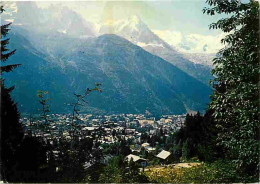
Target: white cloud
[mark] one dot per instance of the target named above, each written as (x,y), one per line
(201,43)
(191,43)
(171,37)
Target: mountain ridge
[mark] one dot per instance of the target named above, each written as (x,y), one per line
(148,40)
(133,79)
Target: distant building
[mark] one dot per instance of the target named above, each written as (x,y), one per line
(137,159)
(163,156)
(145,145)
(130,131)
(150,149)
(145,122)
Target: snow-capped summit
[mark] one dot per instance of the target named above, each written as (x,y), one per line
(134,30)
(55,18)
(133,22)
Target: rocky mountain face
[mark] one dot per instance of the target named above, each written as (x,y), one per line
(205,59)
(136,31)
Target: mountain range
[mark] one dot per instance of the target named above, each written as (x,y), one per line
(136,31)
(137,69)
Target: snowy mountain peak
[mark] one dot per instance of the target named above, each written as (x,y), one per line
(134,30)
(134,21)
(135,18)
(62,20)
(129,25)
(54,19)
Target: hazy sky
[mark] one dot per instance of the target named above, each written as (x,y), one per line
(176,15)
(181,23)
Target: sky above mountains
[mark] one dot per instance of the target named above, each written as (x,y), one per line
(179,23)
(176,15)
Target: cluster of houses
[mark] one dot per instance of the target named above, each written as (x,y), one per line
(162,155)
(105,127)
(60,124)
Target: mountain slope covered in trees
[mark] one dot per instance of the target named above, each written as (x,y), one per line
(132,78)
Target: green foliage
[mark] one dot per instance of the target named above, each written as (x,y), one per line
(133,174)
(72,155)
(80,101)
(5,53)
(121,147)
(32,165)
(217,172)
(11,133)
(235,101)
(120,171)
(154,161)
(185,150)
(112,172)
(11,129)
(206,152)
(198,138)
(44,101)
(94,172)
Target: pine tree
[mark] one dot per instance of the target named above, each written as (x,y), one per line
(235,101)
(11,133)
(5,53)
(185,150)
(11,128)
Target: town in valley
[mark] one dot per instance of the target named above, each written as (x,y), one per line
(139,131)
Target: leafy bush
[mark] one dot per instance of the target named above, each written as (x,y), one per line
(235,100)
(120,171)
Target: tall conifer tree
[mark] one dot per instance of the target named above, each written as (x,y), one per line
(11,128)
(5,53)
